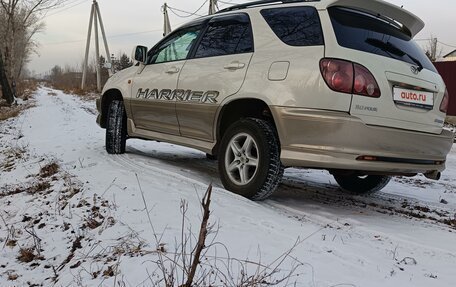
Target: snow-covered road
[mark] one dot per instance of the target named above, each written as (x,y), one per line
(403,236)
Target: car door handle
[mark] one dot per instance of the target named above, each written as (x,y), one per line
(234,66)
(172,70)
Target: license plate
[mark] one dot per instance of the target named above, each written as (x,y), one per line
(413,98)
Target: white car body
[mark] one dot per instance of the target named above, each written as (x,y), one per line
(398,133)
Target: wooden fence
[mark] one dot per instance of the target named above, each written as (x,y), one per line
(448,72)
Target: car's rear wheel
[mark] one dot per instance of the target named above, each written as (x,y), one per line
(116,128)
(249,159)
(358,184)
(211,156)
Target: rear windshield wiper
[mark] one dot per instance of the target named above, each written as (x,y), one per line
(390,48)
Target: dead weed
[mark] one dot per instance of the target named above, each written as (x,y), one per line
(27,255)
(49,170)
(7,112)
(12,155)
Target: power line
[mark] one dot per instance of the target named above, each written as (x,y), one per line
(109,37)
(67,8)
(190,14)
(452,46)
(444,44)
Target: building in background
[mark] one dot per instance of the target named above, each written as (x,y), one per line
(447,70)
(449,57)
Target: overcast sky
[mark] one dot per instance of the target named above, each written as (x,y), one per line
(131,22)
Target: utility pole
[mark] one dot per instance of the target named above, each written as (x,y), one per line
(95,19)
(434,49)
(213,7)
(167,23)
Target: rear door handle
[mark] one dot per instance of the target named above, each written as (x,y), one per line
(234,66)
(172,70)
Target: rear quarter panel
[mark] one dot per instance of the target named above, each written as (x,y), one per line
(303,85)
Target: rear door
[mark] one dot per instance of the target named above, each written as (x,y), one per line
(153,102)
(411,89)
(216,71)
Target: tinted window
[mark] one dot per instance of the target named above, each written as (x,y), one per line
(226,36)
(295,26)
(359,31)
(177,47)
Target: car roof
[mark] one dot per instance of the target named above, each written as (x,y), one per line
(388,11)
(262,3)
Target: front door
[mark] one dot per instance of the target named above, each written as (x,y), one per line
(153,100)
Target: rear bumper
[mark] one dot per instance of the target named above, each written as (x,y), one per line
(336,141)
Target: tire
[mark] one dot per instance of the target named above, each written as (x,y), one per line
(211,156)
(362,184)
(258,159)
(116,128)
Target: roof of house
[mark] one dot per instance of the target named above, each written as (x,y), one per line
(451,54)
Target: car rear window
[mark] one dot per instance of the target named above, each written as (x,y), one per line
(363,32)
(295,26)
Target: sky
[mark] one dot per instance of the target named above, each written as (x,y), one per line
(133,22)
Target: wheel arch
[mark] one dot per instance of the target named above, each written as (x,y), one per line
(240,108)
(108,96)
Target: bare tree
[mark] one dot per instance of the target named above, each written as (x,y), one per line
(20,20)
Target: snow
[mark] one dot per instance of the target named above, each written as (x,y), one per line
(397,237)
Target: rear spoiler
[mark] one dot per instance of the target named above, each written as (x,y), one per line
(378,7)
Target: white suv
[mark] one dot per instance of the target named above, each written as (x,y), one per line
(333,84)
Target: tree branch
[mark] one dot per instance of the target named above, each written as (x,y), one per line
(206,202)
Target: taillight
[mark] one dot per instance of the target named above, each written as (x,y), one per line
(338,74)
(365,83)
(445,102)
(348,77)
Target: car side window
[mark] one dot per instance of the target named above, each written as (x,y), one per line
(177,47)
(295,26)
(226,35)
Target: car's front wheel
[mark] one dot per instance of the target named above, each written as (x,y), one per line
(358,184)
(249,159)
(116,128)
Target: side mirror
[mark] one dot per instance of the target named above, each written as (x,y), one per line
(139,54)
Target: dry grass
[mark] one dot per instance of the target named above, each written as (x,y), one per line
(24,91)
(26,88)
(26,255)
(87,95)
(13,111)
(12,156)
(40,186)
(49,170)
(11,243)
(12,276)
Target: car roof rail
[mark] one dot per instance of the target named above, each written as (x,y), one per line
(261,2)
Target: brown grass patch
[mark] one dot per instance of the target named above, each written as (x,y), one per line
(26,88)
(12,155)
(84,95)
(49,170)
(109,272)
(39,187)
(31,188)
(12,276)
(26,255)
(11,243)
(7,112)
(10,112)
